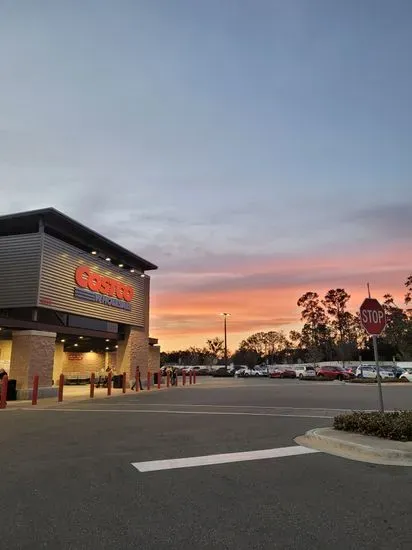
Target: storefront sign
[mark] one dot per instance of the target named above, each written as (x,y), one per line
(97,288)
(75,356)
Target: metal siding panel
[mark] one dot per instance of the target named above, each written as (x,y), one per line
(57,284)
(19,270)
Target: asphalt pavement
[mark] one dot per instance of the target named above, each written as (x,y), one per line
(68,479)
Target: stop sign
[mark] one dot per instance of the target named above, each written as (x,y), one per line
(372,316)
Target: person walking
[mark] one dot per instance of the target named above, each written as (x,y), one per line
(140,381)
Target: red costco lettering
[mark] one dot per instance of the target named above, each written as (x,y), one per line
(85,278)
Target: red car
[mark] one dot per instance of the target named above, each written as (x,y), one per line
(282,372)
(332,372)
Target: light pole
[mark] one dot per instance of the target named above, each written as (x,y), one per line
(225,316)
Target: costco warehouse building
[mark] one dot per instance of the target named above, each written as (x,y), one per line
(71,302)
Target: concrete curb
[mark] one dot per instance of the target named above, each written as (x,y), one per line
(363,448)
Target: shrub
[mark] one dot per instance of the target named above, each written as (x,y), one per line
(390,425)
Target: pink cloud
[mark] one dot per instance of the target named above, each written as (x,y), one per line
(261,294)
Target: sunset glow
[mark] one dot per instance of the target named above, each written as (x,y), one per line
(263,296)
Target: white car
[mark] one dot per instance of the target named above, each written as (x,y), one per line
(246,372)
(303,371)
(262,371)
(369,371)
(406,376)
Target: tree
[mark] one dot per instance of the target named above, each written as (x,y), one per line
(313,314)
(408,295)
(335,303)
(398,331)
(343,323)
(216,347)
(315,335)
(246,357)
(255,342)
(277,345)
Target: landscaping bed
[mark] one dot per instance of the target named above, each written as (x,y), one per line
(389,425)
(374,381)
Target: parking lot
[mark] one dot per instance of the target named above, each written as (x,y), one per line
(101,474)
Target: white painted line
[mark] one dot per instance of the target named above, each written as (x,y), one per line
(155,465)
(151,411)
(258,407)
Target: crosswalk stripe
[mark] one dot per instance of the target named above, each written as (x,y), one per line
(208,460)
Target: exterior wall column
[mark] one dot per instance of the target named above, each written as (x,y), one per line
(154,358)
(133,352)
(33,353)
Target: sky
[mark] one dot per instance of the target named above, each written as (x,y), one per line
(252,149)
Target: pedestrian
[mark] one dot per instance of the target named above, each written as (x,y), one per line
(174,376)
(3,373)
(140,381)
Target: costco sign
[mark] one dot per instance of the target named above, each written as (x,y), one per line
(93,287)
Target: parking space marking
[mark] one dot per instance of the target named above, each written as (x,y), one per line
(214,406)
(208,460)
(169,411)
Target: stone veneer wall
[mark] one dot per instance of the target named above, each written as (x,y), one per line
(5,354)
(32,353)
(154,358)
(133,352)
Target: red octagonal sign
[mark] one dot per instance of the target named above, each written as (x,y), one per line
(372,316)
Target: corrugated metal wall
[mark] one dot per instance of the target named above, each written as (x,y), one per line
(19,270)
(57,285)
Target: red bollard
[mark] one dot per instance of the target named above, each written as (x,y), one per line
(92,383)
(35,391)
(177,380)
(168,379)
(61,385)
(190,377)
(124,383)
(159,380)
(109,384)
(194,377)
(184,377)
(148,380)
(137,387)
(3,391)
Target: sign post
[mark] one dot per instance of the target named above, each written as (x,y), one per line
(373,320)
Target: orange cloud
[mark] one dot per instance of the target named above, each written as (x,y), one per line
(261,293)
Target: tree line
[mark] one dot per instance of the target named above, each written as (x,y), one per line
(330,332)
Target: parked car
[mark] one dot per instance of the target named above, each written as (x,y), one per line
(222,372)
(262,370)
(351,371)
(365,371)
(333,372)
(282,372)
(397,371)
(369,371)
(247,372)
(303,371)
(201,370)
(406,375)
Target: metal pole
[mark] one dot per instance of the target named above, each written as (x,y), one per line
(225,341)
(375,351)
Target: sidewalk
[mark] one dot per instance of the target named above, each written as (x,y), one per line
(72,394)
